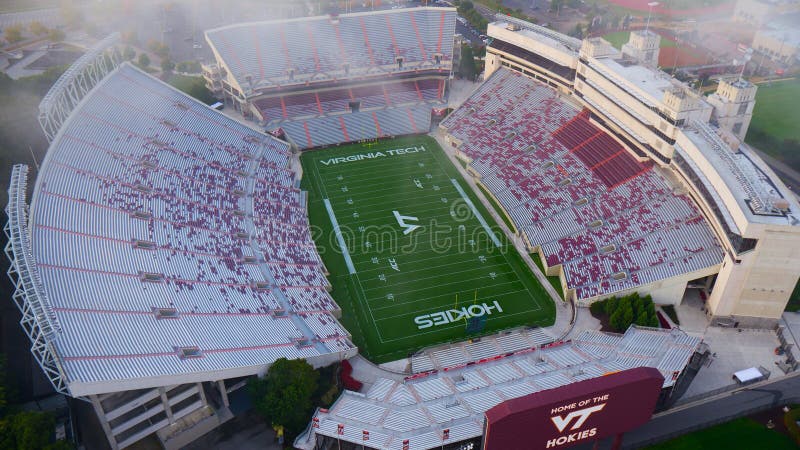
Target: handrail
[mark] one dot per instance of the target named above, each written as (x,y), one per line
(38,320)
(70,88)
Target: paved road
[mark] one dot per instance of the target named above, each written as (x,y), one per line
(469,33)
(716,409)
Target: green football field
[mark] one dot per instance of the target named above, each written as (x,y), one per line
(414,257)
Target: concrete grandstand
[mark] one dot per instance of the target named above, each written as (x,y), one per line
(624,179)
(336,79)
(166,250)
(446,405)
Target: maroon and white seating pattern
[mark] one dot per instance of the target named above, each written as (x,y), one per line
(149,200)
(327,130)
(294,106)
(265,53)
(575,193)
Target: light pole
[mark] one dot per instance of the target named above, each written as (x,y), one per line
(649,14)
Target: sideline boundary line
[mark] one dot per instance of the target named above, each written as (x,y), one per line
(339,237)
(476,213)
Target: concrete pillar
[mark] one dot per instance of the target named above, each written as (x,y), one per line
(202,394)
(223,392)
(165,402)
(101,416)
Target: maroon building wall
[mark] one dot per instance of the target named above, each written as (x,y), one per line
(576,413)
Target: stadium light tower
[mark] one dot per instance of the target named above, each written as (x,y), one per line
(649,14)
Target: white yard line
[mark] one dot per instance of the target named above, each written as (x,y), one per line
(476,213)
(403,304)
(433,269)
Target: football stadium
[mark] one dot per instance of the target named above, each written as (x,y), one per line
(342,205)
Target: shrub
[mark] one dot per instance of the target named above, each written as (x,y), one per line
(167,65)
(628,310)
(598,307)
(611,305)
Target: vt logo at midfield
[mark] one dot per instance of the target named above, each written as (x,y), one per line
(581,415)
(401,220)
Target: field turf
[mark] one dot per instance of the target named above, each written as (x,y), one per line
(396,282)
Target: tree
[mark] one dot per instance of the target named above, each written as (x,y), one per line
(467,66)
(129,53)
(615,320)
(577,32)
(555,5)
(637,303)
(37,28)
(652,318)
(162,50)
(614,21)
(627,316)
(642,318)
(153,45)
(283,396)
(144,60)
(56,35)
(4,383)
(611,305)
(13,34)
(91,28)
(167,65)
(158,48)
(598,307)
(32,429)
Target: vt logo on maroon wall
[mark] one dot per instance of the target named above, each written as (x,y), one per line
(575,417)
(581,415)
(574,414)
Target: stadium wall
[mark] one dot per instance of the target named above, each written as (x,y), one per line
(668,291)
(753,285)
(231,93)
(616,100)
(496,59)
(560,56)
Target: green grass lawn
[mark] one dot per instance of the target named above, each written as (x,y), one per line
(775,120)
(554,281)
(193,86)
(499,209)
(776,112)
(402,292)
(621,37)
(744,434)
